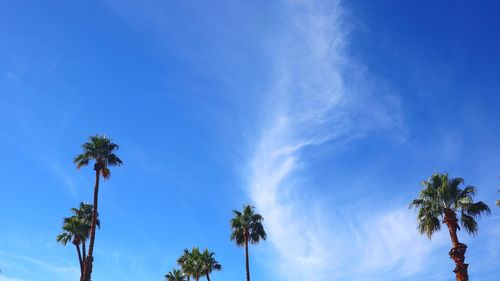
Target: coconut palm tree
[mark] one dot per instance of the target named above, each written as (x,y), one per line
(247,227)
(100,150)
(74,231)
(209,263)
(175,275)
(442,198)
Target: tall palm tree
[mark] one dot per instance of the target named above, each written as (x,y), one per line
(442,198)
(74,231)
(247,227)
(175,275)
(100,150)
(209,263)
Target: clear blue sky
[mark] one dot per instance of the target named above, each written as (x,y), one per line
(324,115)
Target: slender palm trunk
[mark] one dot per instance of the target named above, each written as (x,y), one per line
(87,269)
(246,258)
(79,258)
(457,253)
(208,276)
(84,251)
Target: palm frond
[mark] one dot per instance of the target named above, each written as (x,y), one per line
(208,262)
(428,225)
(105,173)
(63,238)
(476,209)
(469,223)
(416,203)
(81,160)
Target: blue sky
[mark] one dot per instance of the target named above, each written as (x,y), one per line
(325,115)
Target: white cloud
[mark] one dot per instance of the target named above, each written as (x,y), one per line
(319,98)
(5,278)
(36,266)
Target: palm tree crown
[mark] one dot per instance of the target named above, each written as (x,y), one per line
(84,214)
(443,197)
(175,275)
(191,263)
(209,263)
(101,150)
(186,263)
(247,225)
(77,227)
(74,231)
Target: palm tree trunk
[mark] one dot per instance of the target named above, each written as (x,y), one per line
(87,269)
(79,258)
(450,219)
(208,276)
(246,258)
(84,251)
(457,253)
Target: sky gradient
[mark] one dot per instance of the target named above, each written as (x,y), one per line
(325,115)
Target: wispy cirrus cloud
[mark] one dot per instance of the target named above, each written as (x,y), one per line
(320,98)
(6,278)
(37,269)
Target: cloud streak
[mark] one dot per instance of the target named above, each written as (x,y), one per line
(41,267)
(319,99)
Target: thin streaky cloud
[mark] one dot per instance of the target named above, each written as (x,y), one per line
(313,104)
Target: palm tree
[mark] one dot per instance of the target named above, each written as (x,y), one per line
(77,230)
(191,263)
(74,231)
(196,264)
(209,263)
(443,198)
(247,227)
(84,214)
(175,275)
(186,263)
(100,150)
